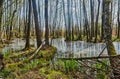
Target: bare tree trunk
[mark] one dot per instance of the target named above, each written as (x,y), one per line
(37,28)
(118,19)
(69,20)
(11,23)
(115,62)
(86,22)
(55,19)
(66,35)
(72,24)
(92,18)
(1,4)
(103,9)
(46,24)
(80,29)
(1,56)
(28,26)
(96,24)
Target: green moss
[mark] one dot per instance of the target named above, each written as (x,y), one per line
(117,40)
(52,74)
(48,53)
(109,1)
(111,49)
(36,63)
(4,73)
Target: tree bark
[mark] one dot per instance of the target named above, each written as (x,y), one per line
(46,24)
(64,14)
(115,62)
(118,19)
(1,8)
(96,24)
(92,18)
(37,28)
(87,29)
(80,29)
(28,26)
(102,30)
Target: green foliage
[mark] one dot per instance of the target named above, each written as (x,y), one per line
(61,65)
(71,65)
(102,74)
(66,65)
(4,73)
(6,54)
(52,74)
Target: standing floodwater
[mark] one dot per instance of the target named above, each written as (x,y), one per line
(79,49)
(65,49)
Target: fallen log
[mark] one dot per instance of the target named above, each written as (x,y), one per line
(89,58)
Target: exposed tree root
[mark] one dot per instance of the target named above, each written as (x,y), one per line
(27,59)
(22,53)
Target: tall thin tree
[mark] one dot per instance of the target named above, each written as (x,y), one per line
(1,12)
(37,28)
(96,24)
(92,17)
(28,26)
(46,24)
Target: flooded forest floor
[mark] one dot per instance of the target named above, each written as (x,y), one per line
(25,64)
(31,64)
